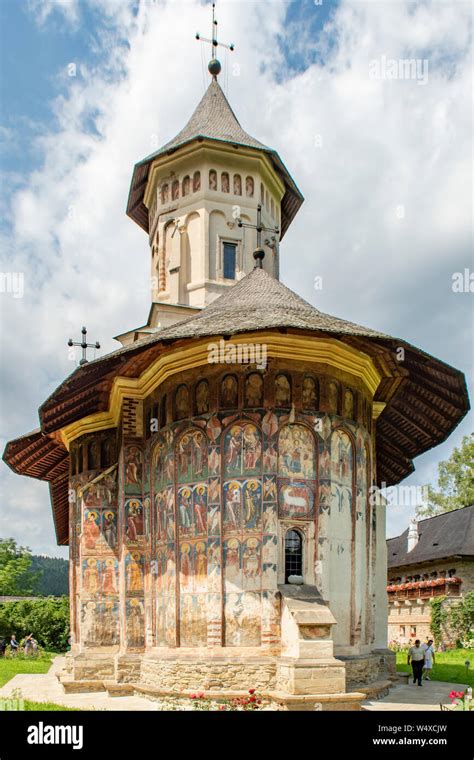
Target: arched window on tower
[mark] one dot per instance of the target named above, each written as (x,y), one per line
(186,185)
(212,179)
(237,184)
(196,182)
(175,190)
(225,182)
(249,187)
(293,554)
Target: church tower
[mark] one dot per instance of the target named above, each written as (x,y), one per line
(206,200)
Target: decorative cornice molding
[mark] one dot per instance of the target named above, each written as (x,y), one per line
(326,351)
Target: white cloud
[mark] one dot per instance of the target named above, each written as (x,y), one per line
(385,144)
(42,10)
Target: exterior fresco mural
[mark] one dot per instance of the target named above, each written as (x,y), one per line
(296,453)
(282,391)
(309,394)
(229,392)
(95,579)
(202,397)
(242,450)
(254,390)
(134,520)
(135,623)
(192,456)
(211,517)
(297,472)
(162,462)
(99,623)
(192,527)
(134,572)
(192,510)
(243,616)
(340,533)
(133,470)
(296,500)
(242,524)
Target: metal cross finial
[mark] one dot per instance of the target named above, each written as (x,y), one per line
(214,65)
(260,228)
(84,345)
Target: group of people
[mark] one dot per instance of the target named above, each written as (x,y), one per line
(422,658)
(30,645)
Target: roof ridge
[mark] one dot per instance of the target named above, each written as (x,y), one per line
(433,517)
(447,512)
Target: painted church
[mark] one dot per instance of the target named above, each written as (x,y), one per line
(216,478)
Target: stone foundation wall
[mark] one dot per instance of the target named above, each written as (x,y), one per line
(128,669)
(88,667)
(366,669)
(198,675)
(233,674)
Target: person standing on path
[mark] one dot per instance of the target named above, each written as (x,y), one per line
(429,658)
(416,655)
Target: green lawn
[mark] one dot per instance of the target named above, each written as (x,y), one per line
(48,707)
(11,666)
(449,666)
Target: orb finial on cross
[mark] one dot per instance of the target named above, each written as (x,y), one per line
(214,66)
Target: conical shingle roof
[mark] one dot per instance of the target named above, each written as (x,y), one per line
(257,302)
(213,119)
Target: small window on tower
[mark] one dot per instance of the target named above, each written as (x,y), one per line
(230,257)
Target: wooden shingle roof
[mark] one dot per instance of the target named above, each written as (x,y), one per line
(214,120)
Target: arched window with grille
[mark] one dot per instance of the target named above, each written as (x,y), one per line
(293,554)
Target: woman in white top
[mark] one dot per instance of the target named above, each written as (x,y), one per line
(429,659)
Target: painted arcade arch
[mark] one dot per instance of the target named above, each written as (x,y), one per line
(341,530)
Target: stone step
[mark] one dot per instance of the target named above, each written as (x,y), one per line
(119,689)
(376,690)
(78,687)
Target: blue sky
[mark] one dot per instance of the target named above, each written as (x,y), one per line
(35,56)
(360,150)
